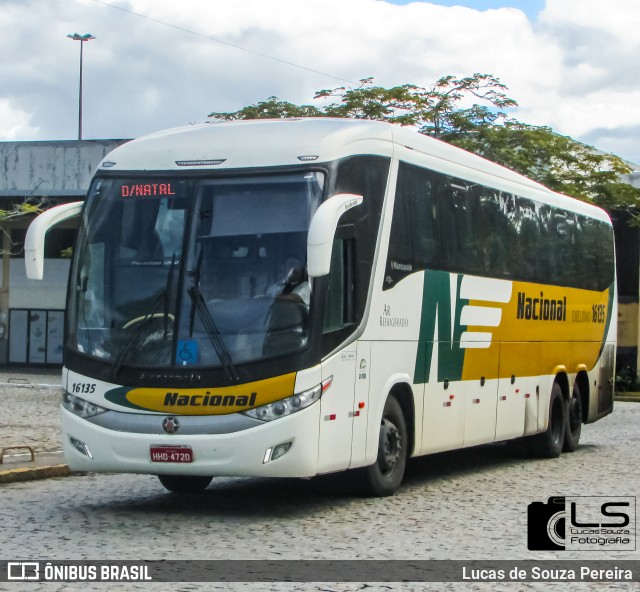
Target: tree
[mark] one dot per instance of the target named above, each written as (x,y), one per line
(17,212)
(434,110)
(20,210)
(272,108)
(442,111)
(556,161)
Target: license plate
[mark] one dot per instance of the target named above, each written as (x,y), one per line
(171,454)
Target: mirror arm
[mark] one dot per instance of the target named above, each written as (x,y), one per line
(34,241)
(322,231)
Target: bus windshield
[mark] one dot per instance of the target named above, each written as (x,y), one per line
(193,271)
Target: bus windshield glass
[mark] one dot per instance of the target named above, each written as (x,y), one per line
(193,272)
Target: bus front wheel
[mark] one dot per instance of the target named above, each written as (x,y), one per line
(184,483)
(549,444)
(385,476)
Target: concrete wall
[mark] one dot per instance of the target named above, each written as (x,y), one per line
(61,168)
(31,331)
(49,293)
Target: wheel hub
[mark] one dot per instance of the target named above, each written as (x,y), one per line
(390,446)
(575,413)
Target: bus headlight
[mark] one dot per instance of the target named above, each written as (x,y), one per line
(80,407)
(290,405)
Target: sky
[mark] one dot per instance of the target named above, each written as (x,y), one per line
(572,65)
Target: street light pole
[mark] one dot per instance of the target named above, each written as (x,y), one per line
(82,39)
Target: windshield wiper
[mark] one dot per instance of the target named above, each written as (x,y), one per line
(213,333)
(167,295)
(163,296)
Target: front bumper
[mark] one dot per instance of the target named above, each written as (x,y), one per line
(238,453)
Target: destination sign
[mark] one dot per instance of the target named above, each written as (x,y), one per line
(146,189)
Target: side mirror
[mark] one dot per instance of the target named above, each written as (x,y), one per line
(34,241)
(323,229)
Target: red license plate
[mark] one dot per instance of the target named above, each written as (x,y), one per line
(171,454)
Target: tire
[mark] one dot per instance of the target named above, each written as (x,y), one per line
(184,483)
(573,421)
(549,444)
(384,477)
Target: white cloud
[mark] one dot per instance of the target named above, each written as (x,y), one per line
(618,18)
(14,122)
(573,69)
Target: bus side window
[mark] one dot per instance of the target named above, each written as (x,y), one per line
(414,239)
(340,296)
(339,303)
(492,236)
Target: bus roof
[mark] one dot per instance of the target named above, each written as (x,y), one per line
(281,142)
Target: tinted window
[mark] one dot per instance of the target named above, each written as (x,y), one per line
(440,222)
(366,176)
(415,233)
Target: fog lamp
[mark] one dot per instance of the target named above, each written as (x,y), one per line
(81,447)
(275,452)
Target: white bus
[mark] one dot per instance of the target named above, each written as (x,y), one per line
(298,297)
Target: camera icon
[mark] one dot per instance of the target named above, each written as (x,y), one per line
(546,525)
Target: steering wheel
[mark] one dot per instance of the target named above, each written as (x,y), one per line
(157,315)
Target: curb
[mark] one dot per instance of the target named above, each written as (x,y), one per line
(32,473)
(630,397)
(29,385)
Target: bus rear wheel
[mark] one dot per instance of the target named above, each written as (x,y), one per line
(184,483)
(573,423)
(385,476)
(549,444)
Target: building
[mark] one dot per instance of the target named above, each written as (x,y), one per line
(32,312)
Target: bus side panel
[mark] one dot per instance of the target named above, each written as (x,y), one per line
(361,404)
(444,412)
(511,403)
(601,397)
(393,329)
(482,412)
(336,414)
(392,363)
(601,401)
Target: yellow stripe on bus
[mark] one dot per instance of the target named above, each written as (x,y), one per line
(213,401)
(540,326)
